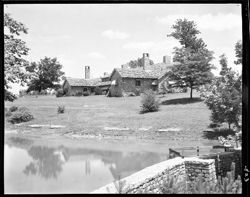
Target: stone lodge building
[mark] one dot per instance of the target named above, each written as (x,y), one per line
(75,85)
(139,79)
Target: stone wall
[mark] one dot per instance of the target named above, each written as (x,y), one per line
(151,178)
(225,160)
(128,85)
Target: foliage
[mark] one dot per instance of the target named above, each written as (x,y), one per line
(115,91)
(60,109)
(20,116)
(193,58)
(86,93)
(13,108)
(59,93)
(223,63)
(224,98)
(79,93)
(9,96)
(21,109)
(14,51)
(231,141)
(98,91)
(238,52)
(131,94)
(46,73)
(7,113)
(149,102)
(172,185)
(138,63)
(225,185)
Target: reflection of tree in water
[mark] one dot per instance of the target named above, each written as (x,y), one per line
(47,161)
(130,163)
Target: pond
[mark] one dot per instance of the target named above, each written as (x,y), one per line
(30,168)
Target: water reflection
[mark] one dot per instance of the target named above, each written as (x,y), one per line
(61,169)
(47,161)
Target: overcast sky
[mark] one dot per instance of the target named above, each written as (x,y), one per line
(105,36)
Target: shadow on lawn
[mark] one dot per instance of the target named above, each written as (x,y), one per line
(182,101)
(213,135)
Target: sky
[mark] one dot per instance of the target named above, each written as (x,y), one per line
(105,36)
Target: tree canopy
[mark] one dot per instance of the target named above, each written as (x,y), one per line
(224,98)
(238,52)
(223,63)
(138,63)
(15,50)
(45,73)
(193,58)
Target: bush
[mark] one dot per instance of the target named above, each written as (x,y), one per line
(149,102)
(86,93)
(131,94)
(98,91)
(60,109)
(223,185)
(20,116)
(79,93)
(7,113)
(21,109)
(13,108)
(115,91)
(59,93)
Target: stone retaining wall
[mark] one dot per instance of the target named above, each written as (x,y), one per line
(151,178)
(225,161)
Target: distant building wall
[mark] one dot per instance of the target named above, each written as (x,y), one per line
(129,84)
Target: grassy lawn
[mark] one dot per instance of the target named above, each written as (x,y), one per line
(91,114)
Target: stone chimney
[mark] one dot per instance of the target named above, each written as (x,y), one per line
(167,59)
(145,61)
(87,72)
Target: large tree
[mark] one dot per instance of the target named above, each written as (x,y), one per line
(193,58)
(223,63)
(238,52)
(224,98)
(15,50)
(46,73)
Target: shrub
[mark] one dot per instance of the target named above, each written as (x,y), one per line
(115,91)
(86,93)
(59,93)
(20,116)
(98,91)
(13,108)
(223,185)
(224,98)
(21,109)
(8,113)
(137,92)
(60,109)
(131,94)
(149,102)
(79,93)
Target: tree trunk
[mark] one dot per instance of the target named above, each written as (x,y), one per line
(191,92)
(229,126)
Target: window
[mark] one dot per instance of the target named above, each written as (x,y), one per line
(137,83)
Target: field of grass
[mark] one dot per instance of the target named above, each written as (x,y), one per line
(90,115)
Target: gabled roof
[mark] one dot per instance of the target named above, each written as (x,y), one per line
(87,82)
(82,82)
(154,72)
